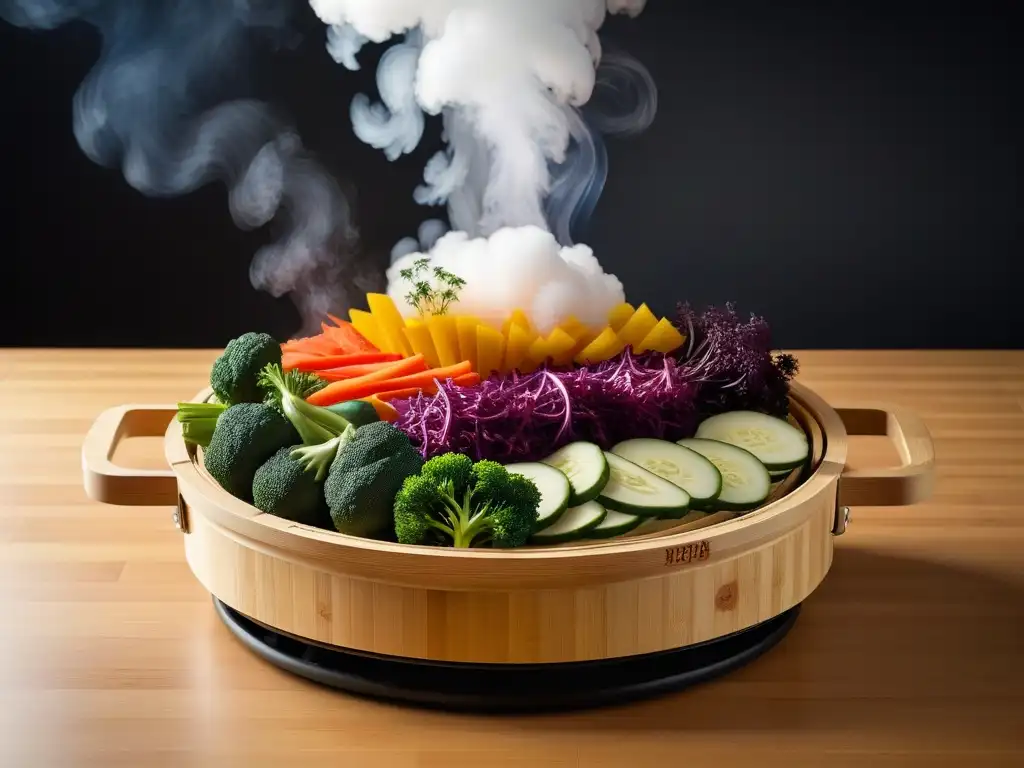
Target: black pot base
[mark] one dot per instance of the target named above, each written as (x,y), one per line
(507,688)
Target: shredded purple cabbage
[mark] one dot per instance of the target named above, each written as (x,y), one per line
(525,417)
(725,365)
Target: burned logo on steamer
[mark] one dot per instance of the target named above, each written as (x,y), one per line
(689,553)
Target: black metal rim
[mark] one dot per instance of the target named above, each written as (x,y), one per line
(507,688)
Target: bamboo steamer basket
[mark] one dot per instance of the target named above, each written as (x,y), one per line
(685,583)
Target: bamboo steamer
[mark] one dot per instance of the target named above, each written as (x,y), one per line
(659,589)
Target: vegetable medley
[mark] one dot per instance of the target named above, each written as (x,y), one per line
(443,430)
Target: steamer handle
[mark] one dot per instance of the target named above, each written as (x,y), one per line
(123,486)
(906,484)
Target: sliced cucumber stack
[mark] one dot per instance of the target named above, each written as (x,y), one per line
(746,483)
(614,524)
(585,466)
(634,490)
(553,486)
(574,523)
(776,443)
(679,465)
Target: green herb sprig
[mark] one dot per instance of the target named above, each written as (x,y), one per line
(427,299)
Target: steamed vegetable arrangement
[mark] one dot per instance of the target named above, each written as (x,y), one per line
(440,430)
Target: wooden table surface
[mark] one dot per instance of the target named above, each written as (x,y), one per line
(909,654)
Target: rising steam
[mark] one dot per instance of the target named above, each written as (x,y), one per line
(523,88)
(510,79)
(154,105)
(524,93)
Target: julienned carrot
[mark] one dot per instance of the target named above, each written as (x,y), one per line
(355,371)
(347,337)
(311,345)
(424,379)
(403,394)
(364,386)
(340,391)
(466,380)
(322,362)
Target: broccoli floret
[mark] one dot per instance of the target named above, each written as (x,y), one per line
(247,434)
(288,392)
(199,420)
(283,487)
(454,470)
(366,473)
(485,504)
(235,374)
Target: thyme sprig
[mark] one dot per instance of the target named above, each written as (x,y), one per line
(426,298)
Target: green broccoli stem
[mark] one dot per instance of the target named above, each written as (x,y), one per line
(465,524)
(314,424)
(199,420)
(318,458)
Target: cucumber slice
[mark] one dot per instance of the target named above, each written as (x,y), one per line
(681,466)
(615,524)
(553,486)
(776,443)
(585,466)
(746,483)
(632,489)
(574,524)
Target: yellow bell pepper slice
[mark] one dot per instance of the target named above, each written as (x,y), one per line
(518,317)
(637,327)
(620,315)
(605,346)
(490,350)
(573,327)
(418,336)
(390,322)
(367,327)
(445,335)
(517,346)
(557,346)
(466,330)
(663,338)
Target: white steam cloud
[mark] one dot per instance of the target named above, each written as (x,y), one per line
(510,80)
(157,105)
(518,268)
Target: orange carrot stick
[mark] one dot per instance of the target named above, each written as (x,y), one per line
(355,371)
(322,362)
(417,382)
(364,386)
(427,378)
(467,380)
(340,391)
(402,394)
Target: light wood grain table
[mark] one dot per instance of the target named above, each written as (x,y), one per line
(909,654)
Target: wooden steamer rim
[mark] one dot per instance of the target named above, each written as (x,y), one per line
(487,569)
(187,485)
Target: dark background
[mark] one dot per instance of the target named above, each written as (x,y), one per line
(849,170)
